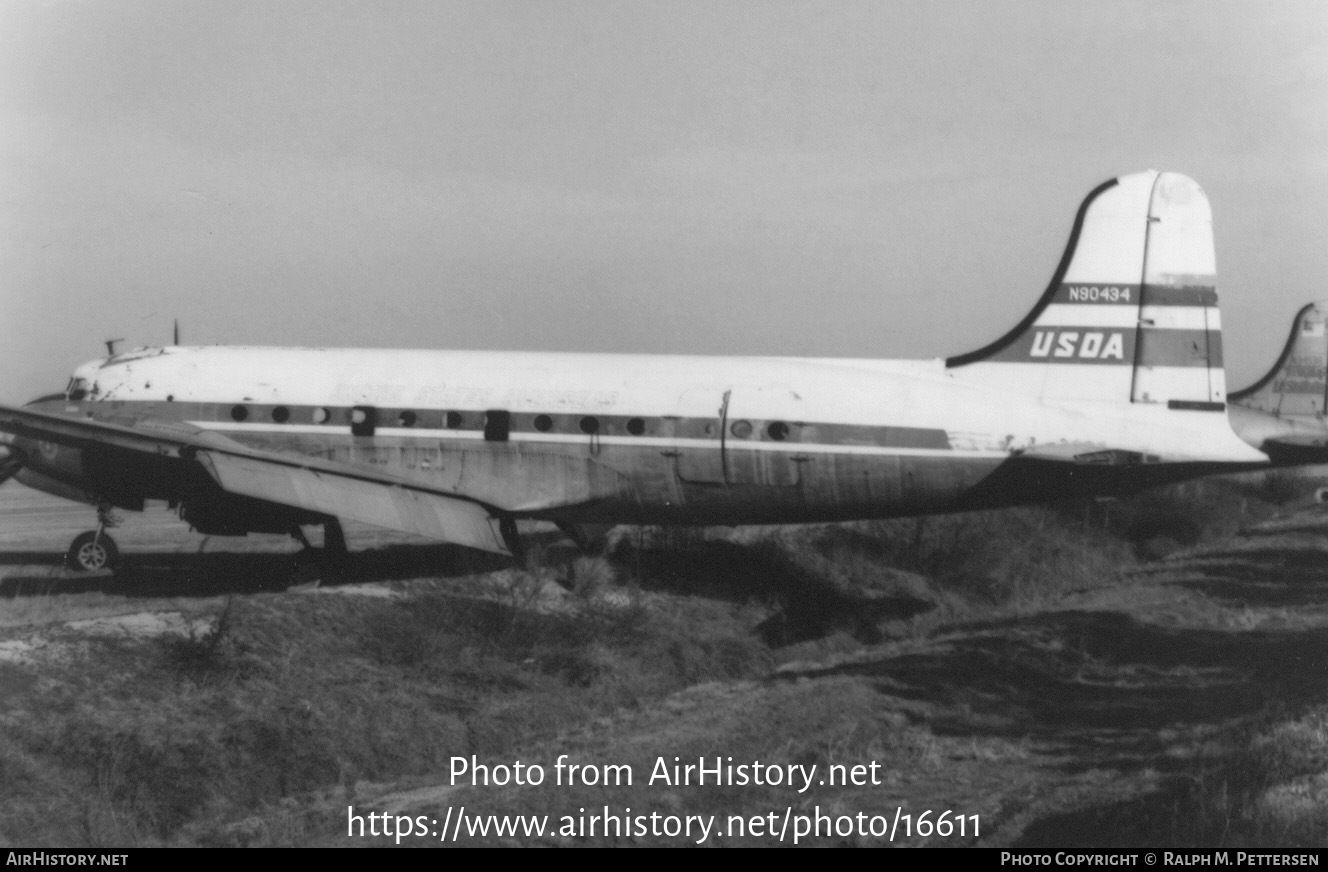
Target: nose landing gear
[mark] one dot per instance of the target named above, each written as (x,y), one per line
(92,551)
(95,549)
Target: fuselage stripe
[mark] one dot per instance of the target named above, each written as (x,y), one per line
(562,439)
(473,424)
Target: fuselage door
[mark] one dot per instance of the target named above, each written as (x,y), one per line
(699,431)
(761,443)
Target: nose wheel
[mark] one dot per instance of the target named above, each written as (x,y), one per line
(92,551)
(95,549)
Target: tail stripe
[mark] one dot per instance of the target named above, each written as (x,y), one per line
(1080,294)
(1085,344)
(1177,317)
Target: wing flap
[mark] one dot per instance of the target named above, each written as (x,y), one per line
(382,505)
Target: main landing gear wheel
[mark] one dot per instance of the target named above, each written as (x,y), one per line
(334,540)
(92,551)
(313,565)
(512,539)
(335,557)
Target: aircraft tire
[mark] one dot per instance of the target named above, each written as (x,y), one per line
(334,539)
(90,552)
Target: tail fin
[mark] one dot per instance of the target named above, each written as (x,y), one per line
(1297,385)
(1131,312)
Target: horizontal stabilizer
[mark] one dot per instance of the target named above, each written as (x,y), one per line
(1083,452)
(1291,451)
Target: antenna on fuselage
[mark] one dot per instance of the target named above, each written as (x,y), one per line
(175,335)
(110,346)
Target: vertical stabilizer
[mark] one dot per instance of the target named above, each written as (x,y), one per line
(1297,385)
(1130,315)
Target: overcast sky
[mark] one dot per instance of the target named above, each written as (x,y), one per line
(876,179)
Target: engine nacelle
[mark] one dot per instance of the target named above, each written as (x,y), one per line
(60,462)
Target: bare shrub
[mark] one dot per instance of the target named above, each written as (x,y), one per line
(588,576)
(1020,556)
(1281,486)
(200,653)
(1271,790)
(1157,522)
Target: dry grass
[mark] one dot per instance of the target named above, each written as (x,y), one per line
(938,646)
(53,608)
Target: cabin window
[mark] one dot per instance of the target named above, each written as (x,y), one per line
(239,413)
(280,414)
(543,423)
(321,415)
(406,418)
(497,425)
(453,420)
(589,424)
(636,426)
(741,429)
(777,431)
(362,420)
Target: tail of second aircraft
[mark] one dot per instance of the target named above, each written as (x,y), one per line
(1297,385)
(1131,313)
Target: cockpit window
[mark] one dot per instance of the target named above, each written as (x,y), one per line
(77,390)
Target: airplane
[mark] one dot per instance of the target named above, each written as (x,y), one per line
(1111,383)
(1290,424)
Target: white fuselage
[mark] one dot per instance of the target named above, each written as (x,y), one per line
(624,438)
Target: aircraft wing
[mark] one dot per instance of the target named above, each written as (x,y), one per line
(329,487)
